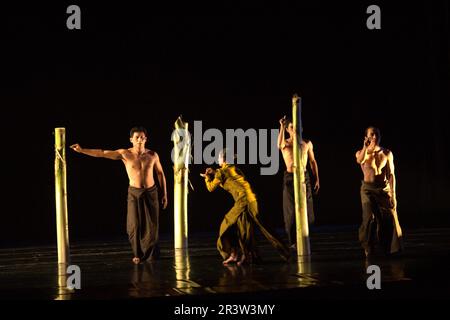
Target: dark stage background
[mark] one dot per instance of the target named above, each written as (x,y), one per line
(231,67)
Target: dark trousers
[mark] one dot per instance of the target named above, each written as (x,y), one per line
(289,205)
(143,221)
(379,219)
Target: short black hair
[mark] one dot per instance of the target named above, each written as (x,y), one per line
(377,132)
(288,121)
(138,129)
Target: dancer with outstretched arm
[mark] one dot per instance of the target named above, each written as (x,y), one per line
(143,200)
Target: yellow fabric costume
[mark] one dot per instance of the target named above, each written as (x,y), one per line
(237,226)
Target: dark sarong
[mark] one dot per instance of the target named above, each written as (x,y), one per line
(289,204)
(379,219)
(143,221)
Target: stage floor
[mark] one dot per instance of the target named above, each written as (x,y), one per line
(337,270)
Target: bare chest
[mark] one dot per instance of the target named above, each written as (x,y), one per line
(289,147)
(142,162)
(376,161)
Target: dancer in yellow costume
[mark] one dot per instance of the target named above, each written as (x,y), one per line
(236,235)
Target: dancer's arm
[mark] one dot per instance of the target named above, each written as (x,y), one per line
(361,155)
(99,153)
(161,180)
(281,137)
(314,167)
(212,179)
(391,178)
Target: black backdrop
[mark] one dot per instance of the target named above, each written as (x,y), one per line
(231,67)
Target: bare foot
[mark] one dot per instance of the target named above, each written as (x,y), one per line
(231,258)
(136,260)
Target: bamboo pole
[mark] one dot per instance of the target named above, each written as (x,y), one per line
(301,217)
(62,223)
(182,152)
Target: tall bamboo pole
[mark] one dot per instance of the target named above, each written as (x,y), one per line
(181,155)
(62,223)
(301,217)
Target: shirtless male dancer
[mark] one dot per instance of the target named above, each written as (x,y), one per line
(286,147)
(378,196)
(143,202)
